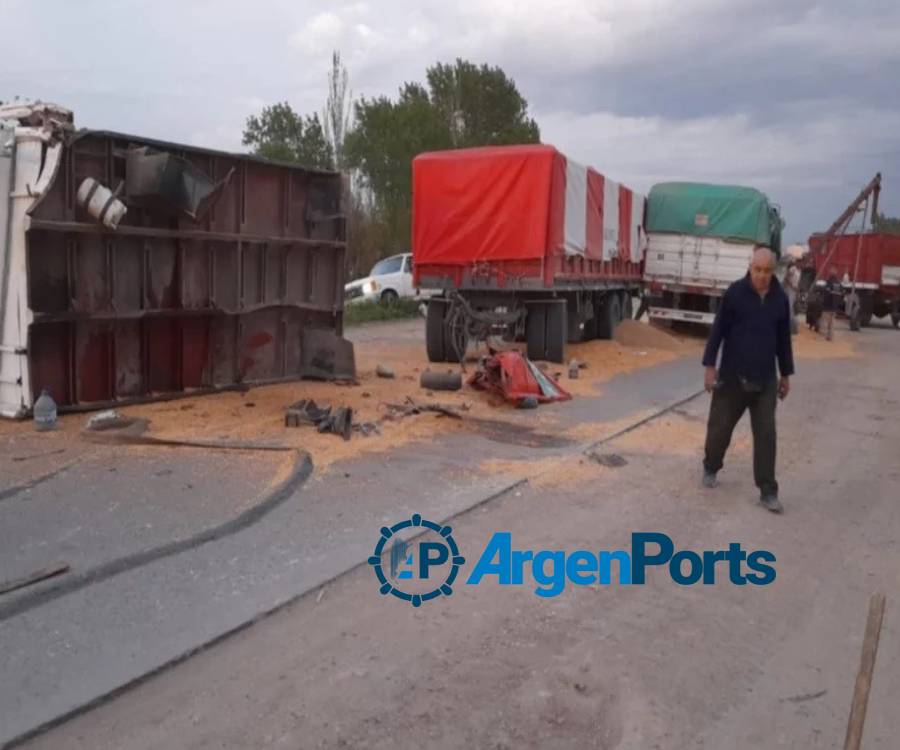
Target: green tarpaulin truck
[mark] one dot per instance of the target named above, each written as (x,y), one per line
(700,238)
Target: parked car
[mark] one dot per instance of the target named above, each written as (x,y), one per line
(389,280)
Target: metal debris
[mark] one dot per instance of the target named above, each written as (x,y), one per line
(306,411)
(108,420)
(327,356)
(440,381)
(611,460)
(398,411)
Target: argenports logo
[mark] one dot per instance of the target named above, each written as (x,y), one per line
(426,569)
(420,582)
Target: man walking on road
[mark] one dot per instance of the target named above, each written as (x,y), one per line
(831,300)
(753,328)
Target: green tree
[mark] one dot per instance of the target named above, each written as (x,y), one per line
(382,145)
(464,105)
(280,133)
(338,109)
(481,106)
(886,224)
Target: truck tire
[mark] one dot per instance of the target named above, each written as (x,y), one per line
(608,315)
(575,332)
(590,327)
(535,334)
(866,308)
(895,319)
(556,332)
(434,331)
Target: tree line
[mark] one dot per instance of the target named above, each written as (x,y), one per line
(460,105)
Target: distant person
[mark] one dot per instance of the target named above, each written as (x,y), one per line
(792,289)
(753,328)
(644,306)
(831,301)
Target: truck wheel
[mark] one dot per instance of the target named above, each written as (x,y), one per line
(575,332)
(389,297)
(866,308)
(627,306)
(556,332)
(590,327)
(608,315)
(434,331)
(535,323)
(895,319)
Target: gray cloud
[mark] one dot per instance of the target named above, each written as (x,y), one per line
(799,98)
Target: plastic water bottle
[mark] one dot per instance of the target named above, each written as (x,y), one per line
(45,412)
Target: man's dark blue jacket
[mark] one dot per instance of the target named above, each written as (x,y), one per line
(755,332)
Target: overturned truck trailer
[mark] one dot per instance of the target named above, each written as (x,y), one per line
(132,269)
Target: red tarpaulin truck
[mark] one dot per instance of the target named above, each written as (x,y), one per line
(868,263)
(526,244)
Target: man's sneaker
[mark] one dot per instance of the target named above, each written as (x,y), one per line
(771,502)
(709,479)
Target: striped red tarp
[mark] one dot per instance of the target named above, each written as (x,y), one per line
(520,203)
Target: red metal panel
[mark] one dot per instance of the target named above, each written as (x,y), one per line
(263,204)
(195,352)
(165,304)
(129,362)
(162,344)
(93,358)
(48,350)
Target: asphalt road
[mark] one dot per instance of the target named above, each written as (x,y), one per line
(654,666)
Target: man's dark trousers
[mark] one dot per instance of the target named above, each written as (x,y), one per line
(729,401)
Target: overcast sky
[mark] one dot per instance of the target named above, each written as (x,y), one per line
(800,99)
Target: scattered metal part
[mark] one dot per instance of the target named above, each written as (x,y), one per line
(161,180)
(411,408)
(108,420)
(38,455)
(611,460)
(305,411)
(383,371)
(441,381)
(327,356)
(100,202)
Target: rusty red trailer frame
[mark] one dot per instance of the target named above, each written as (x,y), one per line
(163,305)
(870,262)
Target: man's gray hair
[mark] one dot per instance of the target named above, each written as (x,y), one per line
(763,254)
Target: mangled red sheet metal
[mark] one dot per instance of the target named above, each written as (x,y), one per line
(516,378)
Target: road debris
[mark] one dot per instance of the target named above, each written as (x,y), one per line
(528,402)
(306,411)
(399,411)
(573,369)
(611,460)
(108,420)
(327,356)
(440,381)
(383,371)
(38,455)
(515,377)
